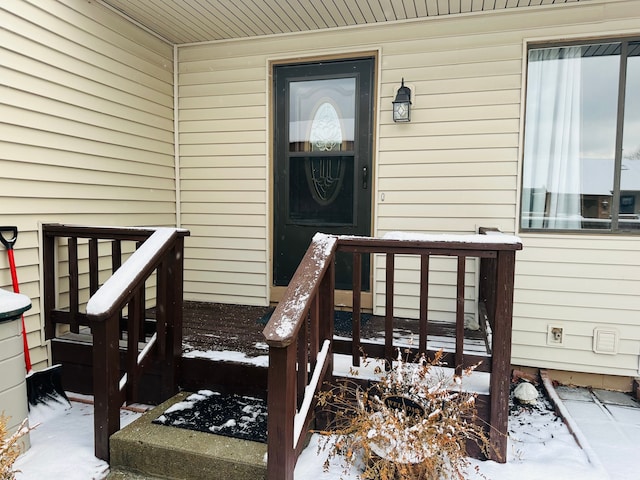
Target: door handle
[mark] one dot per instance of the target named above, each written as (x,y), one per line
(365,177)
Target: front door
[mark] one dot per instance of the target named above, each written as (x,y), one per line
(322,160)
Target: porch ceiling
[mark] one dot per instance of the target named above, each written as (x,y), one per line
(188,21)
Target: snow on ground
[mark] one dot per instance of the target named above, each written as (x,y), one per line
(62,444)
(540,448)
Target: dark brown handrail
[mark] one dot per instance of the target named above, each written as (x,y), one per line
(301,329)
(159,251)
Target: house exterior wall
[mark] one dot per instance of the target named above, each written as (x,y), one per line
(454,168)
(86,132)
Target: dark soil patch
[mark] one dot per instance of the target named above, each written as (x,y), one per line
(221,414)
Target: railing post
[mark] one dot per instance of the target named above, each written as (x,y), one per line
(501,361)
(173,275)
(49,269)
(106,392)
(281,385)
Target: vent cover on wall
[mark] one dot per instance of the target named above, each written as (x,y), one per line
(605,340)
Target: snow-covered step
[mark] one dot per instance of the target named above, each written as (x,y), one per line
(155,451)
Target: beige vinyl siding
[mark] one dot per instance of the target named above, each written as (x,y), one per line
(454,168)
(86,129)
(224,177)
(579,283)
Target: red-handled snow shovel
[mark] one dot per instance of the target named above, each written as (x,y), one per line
(44,385)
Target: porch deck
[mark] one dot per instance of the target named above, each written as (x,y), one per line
(238,328)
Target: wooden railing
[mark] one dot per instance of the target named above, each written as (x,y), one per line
(116,310)
(300,332)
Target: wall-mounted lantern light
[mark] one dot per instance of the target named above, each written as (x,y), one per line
(402,104)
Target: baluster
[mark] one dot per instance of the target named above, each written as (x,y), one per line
(72,248)
(314,339)
(459,358)
(355,317)
(303,372)
(388,321)
(136,317)
(93,266)
(424,303)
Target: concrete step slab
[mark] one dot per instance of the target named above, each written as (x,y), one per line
(165,452)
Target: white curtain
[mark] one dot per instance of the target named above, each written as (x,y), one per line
(551,171)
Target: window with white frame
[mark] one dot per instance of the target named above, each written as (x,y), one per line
(581,166)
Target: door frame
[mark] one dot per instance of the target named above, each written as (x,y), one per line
(342,298)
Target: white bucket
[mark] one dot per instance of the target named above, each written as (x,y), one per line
(13,387)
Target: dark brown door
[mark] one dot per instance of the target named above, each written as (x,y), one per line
(323,144)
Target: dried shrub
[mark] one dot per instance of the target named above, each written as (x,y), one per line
(9,447)
(413,424)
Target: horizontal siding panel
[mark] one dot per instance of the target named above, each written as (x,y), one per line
(68,52)
(50,173)
(250,77)
(460,67)
(412,172)
(228,220)
(254,297)
(223,101)
(224,113)
(226,243)
(438,127)
(88,132)
(224,185)
(26,81)
(79,191)
(587,284)
(434,211)
(226,231)
(151,165)
(223,125)
(495,140)
(451,197)
(579,299)
(550,256)
(213,138)
(208,285)
(204,196)
(234,161)
(225,173)
(59,111)
(448,183)
(578,270)
(223,149)
(529,313)
(250,275)
(224,208)
(439,225)
(625,244)
(62,206)
(455,155)
(39,138)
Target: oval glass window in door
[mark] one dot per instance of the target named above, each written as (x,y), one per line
(325,174)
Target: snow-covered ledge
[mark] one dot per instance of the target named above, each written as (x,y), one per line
(13,305)
(105,299)
(493,237)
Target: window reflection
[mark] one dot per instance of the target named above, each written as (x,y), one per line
(569,169)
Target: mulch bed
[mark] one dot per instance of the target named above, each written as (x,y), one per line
(230,415)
